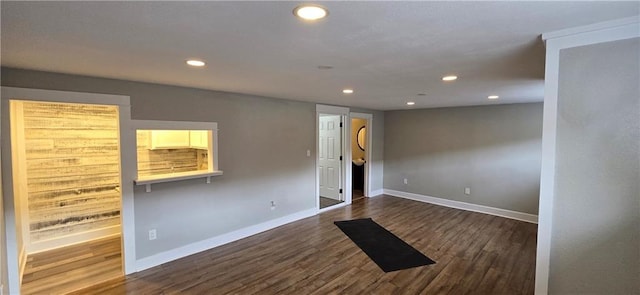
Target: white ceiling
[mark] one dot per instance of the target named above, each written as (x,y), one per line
(388,52)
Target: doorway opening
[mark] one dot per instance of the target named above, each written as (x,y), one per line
(358,157)
(330,134)
(361,151)
(67,194)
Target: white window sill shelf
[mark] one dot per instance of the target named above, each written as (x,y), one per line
(151,179)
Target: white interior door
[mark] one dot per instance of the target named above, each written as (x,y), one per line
(330,152)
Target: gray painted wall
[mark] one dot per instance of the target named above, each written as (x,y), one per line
(494,150)
(262,151)
(595,238)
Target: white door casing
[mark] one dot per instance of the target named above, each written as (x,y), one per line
(330,147)
(128,166)
(366,190)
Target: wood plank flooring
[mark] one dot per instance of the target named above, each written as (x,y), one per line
(356,195)
(72,268)
(475,254)
(328,202)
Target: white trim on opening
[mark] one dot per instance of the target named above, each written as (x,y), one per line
(368,148)
(127,151)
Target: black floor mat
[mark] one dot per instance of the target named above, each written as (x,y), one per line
(389,252)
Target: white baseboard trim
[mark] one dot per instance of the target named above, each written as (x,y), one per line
(164,257)
(343,204)
(73,239)
(465,206)
(376,193)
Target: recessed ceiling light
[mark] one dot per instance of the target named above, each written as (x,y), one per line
(493,97)
(347,91)
(410,103)
(449,78)
(310,12)
(195,63)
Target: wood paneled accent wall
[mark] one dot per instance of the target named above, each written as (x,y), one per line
(166,161)
(72,169)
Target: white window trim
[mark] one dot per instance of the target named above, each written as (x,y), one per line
(179,125)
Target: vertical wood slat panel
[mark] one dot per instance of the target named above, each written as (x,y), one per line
(73,169)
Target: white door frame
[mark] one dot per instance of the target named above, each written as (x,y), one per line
(367,165)
(345,182)
(127,167)
(3,253)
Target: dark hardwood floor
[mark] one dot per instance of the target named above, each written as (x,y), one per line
(72,268)
(474,253)
(328,202)
(357,194)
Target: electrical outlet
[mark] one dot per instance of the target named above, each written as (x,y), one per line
(152,235)
(405,181)
(308,153)
(467,190)
(273,205)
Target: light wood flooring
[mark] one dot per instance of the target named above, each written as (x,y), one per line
(72,268)
(475,254)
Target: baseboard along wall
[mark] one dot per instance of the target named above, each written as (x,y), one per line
(164,257)
(464,206)
(376,193)
(73,239)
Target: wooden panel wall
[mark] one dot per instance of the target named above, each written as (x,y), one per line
(72,168)
(154,162)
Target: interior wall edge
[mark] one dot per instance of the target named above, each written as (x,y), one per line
(555,43)
(22,261)
(3,252)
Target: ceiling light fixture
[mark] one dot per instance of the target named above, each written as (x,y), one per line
(449,78)
(410,103)
(195,63)
(310,12)
(493,97)
(347,91)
